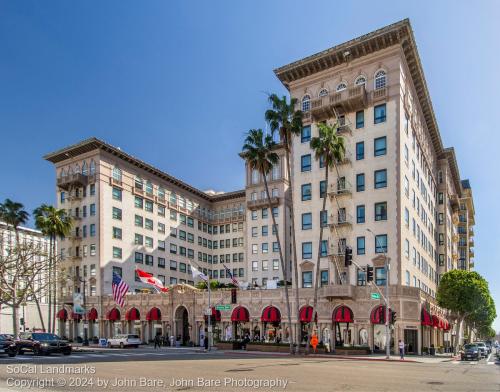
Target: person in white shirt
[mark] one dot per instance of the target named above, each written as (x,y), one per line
(401,349)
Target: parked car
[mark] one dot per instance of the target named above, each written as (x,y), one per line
(471,351)
(124,341)
(7,345)
(41,343)
(482,348)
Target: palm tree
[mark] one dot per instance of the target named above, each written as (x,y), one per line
(53,223)
(331,149)
(283,118)
(258,151)
(12,213)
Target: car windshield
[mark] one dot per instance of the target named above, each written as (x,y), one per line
(470,346)
(45,336)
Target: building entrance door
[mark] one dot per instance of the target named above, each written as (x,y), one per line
(410,340)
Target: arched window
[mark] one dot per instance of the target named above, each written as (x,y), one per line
(63,173)
(139,183)
(92,168)
(255,176)
(360,80)
(85,169)
(77,169)
(323,92)
(149,187)
(306,103)
(70,171)
(117,174)
(341,86)
(380,79)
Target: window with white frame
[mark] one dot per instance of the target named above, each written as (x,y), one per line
(117,174)
(306,103)
(380,79)
(341,86)
(360,80)
(323,92)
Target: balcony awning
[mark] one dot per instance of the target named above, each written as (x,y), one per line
(92,314)
(62,314)
(132,314)
(271,315)
(306,313)
(154,314)
(216,315)
(425,318)
(343,314)
(240,315)
(113,315)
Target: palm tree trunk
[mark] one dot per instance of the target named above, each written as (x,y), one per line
(316,279)
(282,261)
(53,285)
(294,245)
(49,286)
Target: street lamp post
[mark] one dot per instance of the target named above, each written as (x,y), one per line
(387,314)
(85,328)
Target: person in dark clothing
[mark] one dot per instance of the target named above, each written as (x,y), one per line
(206,339)
(157,341)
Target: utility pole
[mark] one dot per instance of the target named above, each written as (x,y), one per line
(387,311)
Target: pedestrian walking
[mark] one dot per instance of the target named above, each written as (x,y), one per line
(314,342)
(401,349)
(206,339)
(157,341)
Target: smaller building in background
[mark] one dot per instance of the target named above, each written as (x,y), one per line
(28,315)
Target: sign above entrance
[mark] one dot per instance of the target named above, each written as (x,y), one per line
(223,307)
(375,296)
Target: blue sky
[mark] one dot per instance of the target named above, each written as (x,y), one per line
(168,81)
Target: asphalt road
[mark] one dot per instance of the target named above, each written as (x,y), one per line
(141,370)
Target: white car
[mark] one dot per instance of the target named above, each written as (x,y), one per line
(124,341)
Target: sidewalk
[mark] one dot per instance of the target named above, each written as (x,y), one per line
(372,357)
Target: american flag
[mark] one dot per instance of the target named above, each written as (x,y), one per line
(230,275)
(119,288)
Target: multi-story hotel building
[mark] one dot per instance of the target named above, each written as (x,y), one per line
(396,195)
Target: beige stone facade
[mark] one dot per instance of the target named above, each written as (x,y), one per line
(398,194)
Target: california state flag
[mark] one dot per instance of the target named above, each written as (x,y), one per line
(150,279)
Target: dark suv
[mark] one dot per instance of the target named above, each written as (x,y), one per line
(8,346)
(41,343)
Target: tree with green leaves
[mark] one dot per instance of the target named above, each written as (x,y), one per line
(329,148)
(14,215)
(466,295)
(259,152)
(284,118)
(54,223)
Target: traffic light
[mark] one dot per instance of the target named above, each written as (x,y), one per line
(234,298)
(369,273)
(348,256)
(393,317)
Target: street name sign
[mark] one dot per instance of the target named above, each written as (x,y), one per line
(375,296)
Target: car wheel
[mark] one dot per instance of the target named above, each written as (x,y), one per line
(109,345)
(37,352)
(67,353)
(121,345)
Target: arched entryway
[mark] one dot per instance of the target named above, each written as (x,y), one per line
(271,320)
(377,319)
(343,318)
(114,323)
(133,317)
(62,317)
(240,318)
(155,327)
(77,330)
(305,315)
(181,322)
(92,324)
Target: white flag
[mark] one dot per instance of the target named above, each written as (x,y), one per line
(198,274)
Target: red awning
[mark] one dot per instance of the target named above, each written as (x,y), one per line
(343,314)
(378,315)
(216,315)
(447,325)
(154,314)
(425,318)
(306,313)
(62,314)
(92,314)
(240,314)
(76,316)
(271,315)
(132,315)
(113,315)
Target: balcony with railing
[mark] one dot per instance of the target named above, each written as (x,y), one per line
(70,180)
(340,219)
(471,242)
(337,291)
(348,100)
(259,203)
(341,188)
(380,94)
(471,252)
